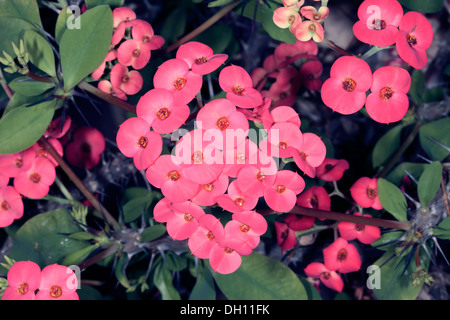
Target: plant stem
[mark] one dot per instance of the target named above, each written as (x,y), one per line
(373,50)
(38,78)
(5,86)
(208,23)
(79,184)
(337,48)
(108,98)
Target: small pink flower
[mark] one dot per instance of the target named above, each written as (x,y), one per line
(133,53)
(238,85)
(283,140)
(285,17)
(86,148)
(58,282)
(378,22)
(11,165)
(223,258)
(364,233)
(235,200)
(4,180)
(284,90)
(23,278)
(56,129)
(311,13)
(209,231)
(388,101)
(11,206)
(345,90)
(243,154)
(315,197)
(158,108)
(310,154)
(122,14)
(310,72)
(135,140)
(184,221)
(174,75)
(282,195)
(287,53)
(286,238)
(299,223)
(129,82)
(308,30)
(142,31)
(342,256)
(293,3)
(365,192)
(329,278)
(170,178)
(98,73)
(106,87)
(282,114)
(40,150)
(253,180)
(331,169)
(206,196)
(415,35)
(200,57)
(35,182)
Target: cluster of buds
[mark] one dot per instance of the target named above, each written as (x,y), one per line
(421,276)
(18,64)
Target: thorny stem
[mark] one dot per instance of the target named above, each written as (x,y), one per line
(79,184)
(337,48)
(208,23)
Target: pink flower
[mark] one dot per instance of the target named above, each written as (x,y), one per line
(308,30)
(283,91)
(345,90)
(40,150)
(299,223)
(282,114)
(238,85)
(163,212)
(285,17)
(209,232)
(184,221)
(200,57)
(158,108)
(378,22)
(287,53)
(243,154)
(364,233)
(283,140)
(388,101)
(315,197)
(235,200)
(286,238)
(223,258)
(365,192)
(206,196)
(129,82)
(253,180)
(56,129)
(98,73)
(133,53)
(174,75)
(58,282)
(86,148)
(331,169)
(342,256)
(11,165)
(11,206)
(282,195)
(142,31)
(35,182)
(122,14)
(135,140)
(293,3)
(107,87)
(310,154)
(170,178)
(311,13)
(4,180)
(23,278)
(415,35)
(329,278)
(310,72)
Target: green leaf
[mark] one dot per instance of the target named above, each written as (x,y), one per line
(43,238)
(417,86)
(138,203)
(440,131)
(175,262)
(429,183)
(29,88)
(387,240)
(40,51)
(261,278)
(153,232)
(22,9)
(219,3)
(163,281)
(217,37)
(414,169)
(61,23)
(21,127)
(204,288)
(423,6)
(120,271)
(12,31)
(174,24)
(77,257)
(82,235)
(387,145)
(312,292)
(434,94)
(113,3)
(442,231)
(83,50)
(392,199)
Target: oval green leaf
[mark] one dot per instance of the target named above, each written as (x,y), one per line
(261,278)
(153,232)
(429,183)
(83,50)
(40,51)
(386,146)
(392,199)
(423,6)
(12,31)
(22,9)
(29,88)
(439,131)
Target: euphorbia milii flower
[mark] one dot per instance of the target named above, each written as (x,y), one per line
(308,30)
(130,82)
(253,180)
(285,17)
(298,222)
(184,221)
(286,237)
(287,53)
(311,13)
(293,3)
(57,129)
(133,53)
(331,169)
(345,90)
(342,256)
(206,196)
(282,114)
(35,182)
(329,278)
(98,73)
(158,107)
(242,155)
(415,35)
(4,180)
(310,72)
(163,212)
(388,101)
(122,14)
(174,75)
(283,91)
(11,206)
(209,231)
(142,31)
(107,87)
(238,85)
(24,278)
(11,165)
(310,154)
(365,192)
(235,200)
(135,140)
(200,57)
(378,22)
(40,150)
(364,233)
(170,178)
(223,258)
(58,282)
(86,148)
(282,195)
(315,197)
(284,140)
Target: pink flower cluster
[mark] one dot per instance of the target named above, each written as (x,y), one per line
(304,22)
(279,78)
(26,281)
(131,45)
(382,23)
